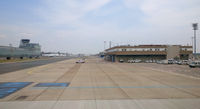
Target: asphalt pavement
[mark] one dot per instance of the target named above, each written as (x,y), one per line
(10,67)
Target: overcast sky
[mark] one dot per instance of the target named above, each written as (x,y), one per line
(82,26)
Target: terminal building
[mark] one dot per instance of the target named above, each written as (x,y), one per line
(148,52)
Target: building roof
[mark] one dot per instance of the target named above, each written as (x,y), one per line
(146,46)
(138,46)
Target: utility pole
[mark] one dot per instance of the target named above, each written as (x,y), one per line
(195,27)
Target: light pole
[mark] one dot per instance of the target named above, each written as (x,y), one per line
(110,44)
(195,27)
(104,45)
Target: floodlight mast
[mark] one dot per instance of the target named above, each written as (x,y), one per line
(195,27)
(104,45)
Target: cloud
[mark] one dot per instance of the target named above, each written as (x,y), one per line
(162,21)
(68,11)
(133,4)
(169,12)
(71,25)
(2,36)
(26,34)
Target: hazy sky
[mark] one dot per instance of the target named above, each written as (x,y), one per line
(82,26)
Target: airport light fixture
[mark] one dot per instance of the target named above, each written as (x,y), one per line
(195,27)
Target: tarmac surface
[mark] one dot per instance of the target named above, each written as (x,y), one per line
(10,67)
(97,84)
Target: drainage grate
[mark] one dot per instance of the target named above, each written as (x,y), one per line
(52,85)
(7,88)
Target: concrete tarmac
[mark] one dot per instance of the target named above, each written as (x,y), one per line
(97,84)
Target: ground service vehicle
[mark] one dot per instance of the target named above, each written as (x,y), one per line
(194,64)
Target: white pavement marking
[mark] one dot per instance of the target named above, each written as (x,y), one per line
(106,104)
(36,68)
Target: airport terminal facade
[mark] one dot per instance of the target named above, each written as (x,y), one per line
(148,52)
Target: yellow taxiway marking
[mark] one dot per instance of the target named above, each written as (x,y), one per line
(36,68)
